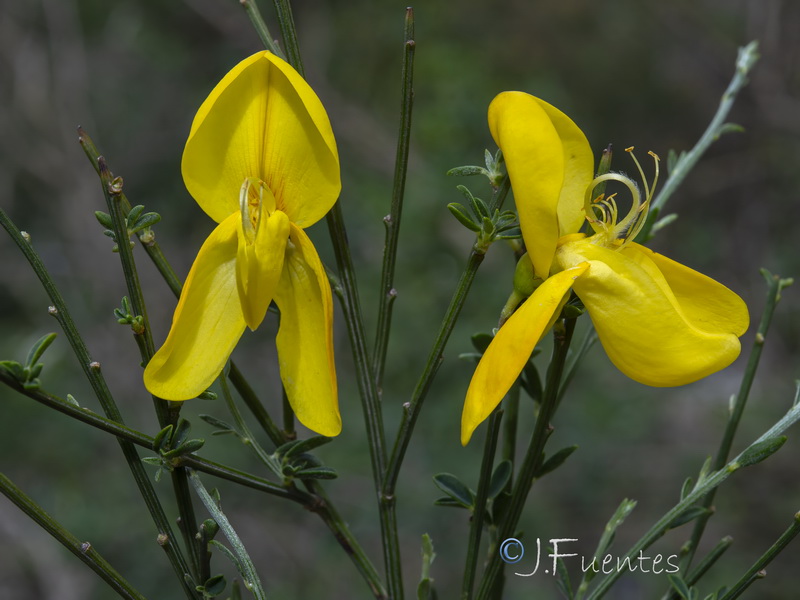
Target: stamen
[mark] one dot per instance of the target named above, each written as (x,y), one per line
(251,203)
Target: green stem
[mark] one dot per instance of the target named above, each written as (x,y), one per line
(145,441)
(412,409)
(510,425)
(533,457)
(251,8)
(572,367)
(700,490)
(479,511)
(289,431)
(747,57)
(289,34)
(773,295)
(83,550)
(91,369)
(254,404)
(709,560)
(331,517)
(248,569)
(150,246)
(392,220)
(757,570)
(112,190)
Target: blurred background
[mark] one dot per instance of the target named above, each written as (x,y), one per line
(630,72)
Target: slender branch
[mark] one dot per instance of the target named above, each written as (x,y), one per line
(392,220)
(757,570)
(245,563)
(510,425)
(479,511)
(773,295)
(533,457)
(747,457)
(747,57)
(83,550)
(289,34)
(91,369)
(112,190)
(251,8)
(150,245)
(145,441)
(412,409)
(254,404)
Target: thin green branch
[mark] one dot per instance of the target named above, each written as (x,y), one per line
(83,550)
(112,190)
(751,455)
(256,407)
(387,293)
(145,441)
(413,408)
(251,8)
(479,511)
(245,563)
(150,245)
(289,34)
(757,570)
(775,285)
(747,57)
(533,458)
(91,369)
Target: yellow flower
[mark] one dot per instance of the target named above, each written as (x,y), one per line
(261,161)
(661,323)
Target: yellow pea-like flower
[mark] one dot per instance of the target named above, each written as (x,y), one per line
(261,160)
(661,323)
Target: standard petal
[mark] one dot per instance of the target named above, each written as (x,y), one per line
(263,120)
(305,337)
(578,169)
(707,303)
(207,323)
(550,165)
(640,322)
(511,348)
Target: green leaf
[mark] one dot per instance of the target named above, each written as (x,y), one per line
(185,448)
(452,486)
(460,213)
(761,451)
(448,501)
(317,473)
(294,447)
(104,219)
(500,477)
(147,220)
(425,590)
(14,369)
(555,461)
(134,214)
(729,128)
(39,348)
(181,433)
(481,341)
(161,441)
(562,579)
(531,382)
(214,586)
(209,529)
(679,585)
(468,170)
(218,423)
(690,514)
(686,488)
